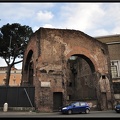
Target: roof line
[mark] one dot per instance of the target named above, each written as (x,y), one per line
(109,43)
(108,36)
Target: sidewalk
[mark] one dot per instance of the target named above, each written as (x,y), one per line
(27,112)
(30,112)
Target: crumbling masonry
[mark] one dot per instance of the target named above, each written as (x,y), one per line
(67,65)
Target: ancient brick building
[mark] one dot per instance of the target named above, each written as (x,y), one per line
(67,65)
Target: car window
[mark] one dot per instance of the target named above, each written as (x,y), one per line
(77,104)
(82,104)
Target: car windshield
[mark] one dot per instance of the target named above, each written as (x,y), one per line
(71,104)
(76,103)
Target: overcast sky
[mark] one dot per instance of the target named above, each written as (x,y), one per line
(94,19)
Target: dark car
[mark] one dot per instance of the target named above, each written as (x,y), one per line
(117,108)
(76,107)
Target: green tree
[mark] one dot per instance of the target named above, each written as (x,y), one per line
(13,40)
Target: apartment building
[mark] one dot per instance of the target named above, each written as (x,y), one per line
(15,77)
(113,42)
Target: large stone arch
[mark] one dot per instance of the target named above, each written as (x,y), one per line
(82,51)
(81,80)
(30,60)
(28,69)
(103,92)
(50,50)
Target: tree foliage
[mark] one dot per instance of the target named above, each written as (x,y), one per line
(13,41)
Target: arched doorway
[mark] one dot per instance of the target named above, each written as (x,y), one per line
(28,69)
(81,82)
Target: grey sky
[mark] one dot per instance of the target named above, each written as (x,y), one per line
(94,19)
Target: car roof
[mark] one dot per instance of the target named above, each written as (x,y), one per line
(79,102)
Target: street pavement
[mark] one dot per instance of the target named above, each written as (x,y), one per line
(30,114)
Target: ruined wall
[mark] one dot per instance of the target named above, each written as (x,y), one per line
(51,50)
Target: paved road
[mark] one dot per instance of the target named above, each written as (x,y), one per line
(92,114)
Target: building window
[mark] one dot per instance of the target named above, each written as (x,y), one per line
(115,68)
(14,81)
(4,81)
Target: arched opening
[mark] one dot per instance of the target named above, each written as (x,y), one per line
(29,69)
(81,82)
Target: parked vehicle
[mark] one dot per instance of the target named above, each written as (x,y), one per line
(117,108)
(76,107)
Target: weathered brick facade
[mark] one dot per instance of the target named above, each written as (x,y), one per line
(59,79)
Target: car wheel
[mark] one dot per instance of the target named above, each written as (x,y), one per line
(118,111)
(69,112)
(87,111)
